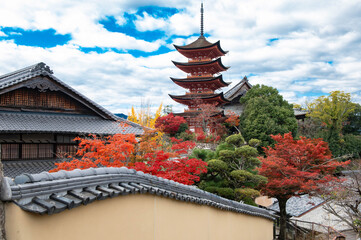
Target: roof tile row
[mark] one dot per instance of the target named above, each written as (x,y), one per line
(49,193)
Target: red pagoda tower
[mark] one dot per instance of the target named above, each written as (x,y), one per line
(203,76)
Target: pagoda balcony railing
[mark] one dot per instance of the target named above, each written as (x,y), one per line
(200,60)
(200,93)
(200,76)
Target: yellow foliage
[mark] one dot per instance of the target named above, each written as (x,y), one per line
(332,110)
(144,117)
(296,106)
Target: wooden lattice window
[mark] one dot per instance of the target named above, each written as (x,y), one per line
(29,151)
(37,151)
(65,150)
(9,151)
(46,150)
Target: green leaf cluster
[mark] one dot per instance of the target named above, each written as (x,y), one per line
(353,124)
(266,113)
(232,169)
(332,110)
(337,120)
(204,154)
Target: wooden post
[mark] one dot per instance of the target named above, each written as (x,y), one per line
(2,205)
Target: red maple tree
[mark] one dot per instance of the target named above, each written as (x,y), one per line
(209,118)
(233,120)
(147,155)
(295,167)
(170,124)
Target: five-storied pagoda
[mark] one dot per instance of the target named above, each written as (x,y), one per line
(203,76)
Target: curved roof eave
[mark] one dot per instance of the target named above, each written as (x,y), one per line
(218,60)
(200,97)
(186,80)
(216,44)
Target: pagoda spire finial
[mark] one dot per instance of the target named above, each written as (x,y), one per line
(202,19)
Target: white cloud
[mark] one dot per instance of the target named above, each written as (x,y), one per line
(2,34)
(149,23)
(15,33)
(317,51)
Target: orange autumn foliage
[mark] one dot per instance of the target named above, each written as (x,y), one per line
(296,167)
(233,120)
(147,155)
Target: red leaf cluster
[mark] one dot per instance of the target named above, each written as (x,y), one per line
(182,170)
(232,119)
(201,137)
(169,123)
(296,167)
(124,150)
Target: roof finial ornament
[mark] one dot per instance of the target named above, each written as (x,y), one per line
(42,67)
(202,18)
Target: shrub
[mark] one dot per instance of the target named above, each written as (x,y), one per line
(235,140)
(246,195)
(204,154)
(254,142)
(186,136)
(223,192)
(217,165)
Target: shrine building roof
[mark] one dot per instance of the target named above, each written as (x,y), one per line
(238,89)
(28,122)
(41,70)
(41,76)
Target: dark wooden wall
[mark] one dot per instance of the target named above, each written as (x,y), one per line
(27,98)
(36,146)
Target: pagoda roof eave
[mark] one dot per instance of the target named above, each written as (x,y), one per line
(195,113)
(195,80)
(186,48)
(218,60)
(199,96)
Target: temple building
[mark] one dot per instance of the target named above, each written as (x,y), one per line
(40,116)
(203,76)
(234,95)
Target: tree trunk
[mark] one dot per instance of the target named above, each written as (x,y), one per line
(283,218)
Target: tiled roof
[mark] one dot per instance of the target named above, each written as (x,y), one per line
(63,123)
(195,113)
(297,206)
(218,60)
(201,79)
(299,112)
(48,193)
(232,93)
(13,168)
(41,69)
(201,42)
(196,95)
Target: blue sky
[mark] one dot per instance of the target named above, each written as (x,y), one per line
(119,53)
